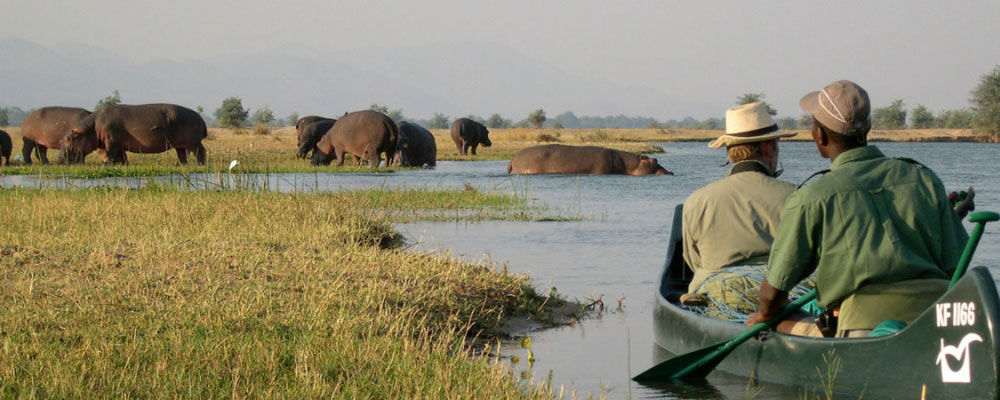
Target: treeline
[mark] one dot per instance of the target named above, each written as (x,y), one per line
(983,115)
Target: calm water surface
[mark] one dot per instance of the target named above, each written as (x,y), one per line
(616,252)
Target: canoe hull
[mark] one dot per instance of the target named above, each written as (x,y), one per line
(950,351)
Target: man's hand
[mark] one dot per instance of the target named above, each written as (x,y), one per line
(964,205)
(754,318)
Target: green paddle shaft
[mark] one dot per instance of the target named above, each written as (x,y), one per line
(980,219)
(697,364)
(743,337)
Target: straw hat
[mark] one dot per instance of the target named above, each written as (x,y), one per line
(748,123)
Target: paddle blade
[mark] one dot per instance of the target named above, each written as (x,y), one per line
(671,369)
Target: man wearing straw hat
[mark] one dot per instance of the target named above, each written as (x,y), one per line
(880,233)
(732,221)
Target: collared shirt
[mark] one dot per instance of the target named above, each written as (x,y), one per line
(871,219)
(732,221)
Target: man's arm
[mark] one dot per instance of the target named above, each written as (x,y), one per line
(772,300)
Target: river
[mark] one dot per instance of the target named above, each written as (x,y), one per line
(616,252)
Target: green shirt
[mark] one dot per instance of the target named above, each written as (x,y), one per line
(871,219)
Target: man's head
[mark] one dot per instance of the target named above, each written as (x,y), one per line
(751,134)
(841,117)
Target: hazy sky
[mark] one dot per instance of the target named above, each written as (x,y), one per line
(924,52)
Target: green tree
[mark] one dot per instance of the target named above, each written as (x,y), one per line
(986,104)
(496,121)
(263,115)
(292,119)
(112,100)
(231,114)
(712,124)
(4,119)
(396,115)
(537,118)
(748,98)
(892,116)
(439,121)
(787,123)
(954,119)
(805,121)
(921,118)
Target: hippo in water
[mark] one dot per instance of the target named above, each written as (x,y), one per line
(147,128)
(416,146)
(468,134)
(45,128)
(562,159)
(311,134)
(365,134)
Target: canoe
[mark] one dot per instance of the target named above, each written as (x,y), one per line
(949,352)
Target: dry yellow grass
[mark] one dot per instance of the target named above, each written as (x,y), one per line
(156,293)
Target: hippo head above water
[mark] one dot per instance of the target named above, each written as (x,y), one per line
(649,166)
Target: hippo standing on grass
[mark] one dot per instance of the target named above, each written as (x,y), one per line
(147,128)
(469,134)
(45,128)
(5,148)
(301,124)
(562,159)
(311,134)
(365,134)
(416,146)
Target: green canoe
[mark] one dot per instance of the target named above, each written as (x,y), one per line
(949,352)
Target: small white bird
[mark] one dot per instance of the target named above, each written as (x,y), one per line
(233,164)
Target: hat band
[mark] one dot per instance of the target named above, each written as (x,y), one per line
(756,132)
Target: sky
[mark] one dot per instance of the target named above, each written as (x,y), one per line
(706,52)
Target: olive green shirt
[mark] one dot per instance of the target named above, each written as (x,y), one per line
(732,221)
(871,219)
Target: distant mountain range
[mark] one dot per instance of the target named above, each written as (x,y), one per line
(456,80)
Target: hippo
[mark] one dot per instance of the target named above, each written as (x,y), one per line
(365,134)
(469,134)
(311,134)
(45,128)
(416,146)
(146,128)
(5,147)
(562,159)
(302,122)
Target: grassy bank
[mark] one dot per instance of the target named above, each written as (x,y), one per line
(275,151)
(164,293)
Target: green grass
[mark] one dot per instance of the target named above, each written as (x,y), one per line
(176,294)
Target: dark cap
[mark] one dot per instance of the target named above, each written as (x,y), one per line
(842,106)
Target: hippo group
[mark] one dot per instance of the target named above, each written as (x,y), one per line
(365,134)
(146,128)
(562,159)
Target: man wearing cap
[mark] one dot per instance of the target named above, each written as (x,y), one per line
(732,221)
(880,233)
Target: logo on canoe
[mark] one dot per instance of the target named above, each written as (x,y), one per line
(959,353)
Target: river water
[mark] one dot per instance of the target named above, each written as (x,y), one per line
(616,253)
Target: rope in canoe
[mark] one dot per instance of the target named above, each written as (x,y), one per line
(731,294)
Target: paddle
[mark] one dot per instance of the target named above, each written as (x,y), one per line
(697,364)
(980,219)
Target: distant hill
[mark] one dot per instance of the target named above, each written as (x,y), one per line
(457,80)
